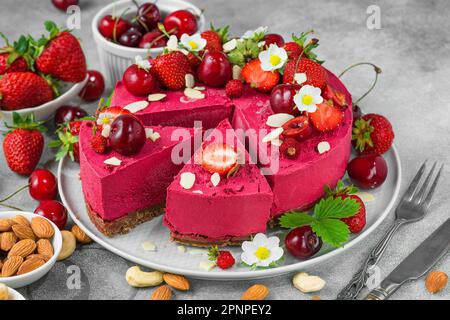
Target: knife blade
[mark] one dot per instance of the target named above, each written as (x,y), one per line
(417,264)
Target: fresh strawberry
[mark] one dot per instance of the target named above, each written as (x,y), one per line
(67,142)
(20,90)
(372,134)
(74,127)
(338,98)
(170,69)
(257,78)
(108,114)
(293,49)
(356,222)
(213,40)
(298,46)
(16,57)
(18,65)
(99,144)
(62,56)
(218,157)
(234,88)
(23,144)
(223,258)
(327,117)
(316,75)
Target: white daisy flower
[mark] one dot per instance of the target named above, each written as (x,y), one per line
(307,98)
(273,58)
(193,43)
(105,118)
(142,63)
(250,34)
(261,251)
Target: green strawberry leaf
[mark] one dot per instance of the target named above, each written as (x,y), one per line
(332,231)
(296,219)
(336,208)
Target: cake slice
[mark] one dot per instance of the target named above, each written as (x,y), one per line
(214,210)
(124,191)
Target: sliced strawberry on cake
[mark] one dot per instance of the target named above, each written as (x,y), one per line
(220,197)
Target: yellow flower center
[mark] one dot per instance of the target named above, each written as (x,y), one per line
(193,44)
(262,253)
(307,99)
(274,59)
(105,120)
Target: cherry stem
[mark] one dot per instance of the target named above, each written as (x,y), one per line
(10,207)
(116,23)
(14,193)
(301,55)
(377,72)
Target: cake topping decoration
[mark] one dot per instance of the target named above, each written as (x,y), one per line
(219,158)
(187,180)
(236,72)
(172,43)
(151,134)
(199,88)
(278,120)
(215,179)
(190,81)
(272,135)
(300,78)
(276,142)
(156,97)
(136,106)
(261,251)
(193,94)
(113,161)
(273,58)
(307,98)
(193,43)
(148,246)
(323,147)
(197,191)
(142,63)
(230,45)
(255,34)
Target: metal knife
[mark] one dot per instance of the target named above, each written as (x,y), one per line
(417,264)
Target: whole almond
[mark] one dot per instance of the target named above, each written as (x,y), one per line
(162,293)
(68,245)
(42,228)
(45,248)
(176,281)
(1,265)
(80,235)
(256,292)
(20,220)
(7,240)
(11,265)
(23,232)
(5,225)
(37,255)
(436,281)
(30,265)
(22,248)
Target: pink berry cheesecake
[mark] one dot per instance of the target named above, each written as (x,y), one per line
(208,205)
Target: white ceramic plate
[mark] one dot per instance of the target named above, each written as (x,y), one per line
(168,257)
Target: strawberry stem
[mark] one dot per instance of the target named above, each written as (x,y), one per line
(14,193)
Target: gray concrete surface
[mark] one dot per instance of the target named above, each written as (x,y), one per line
(412,47)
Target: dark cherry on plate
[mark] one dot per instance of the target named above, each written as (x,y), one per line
(302,242)
(215,69)
(127,135)
(107,25)
(368,172)
(54,211)
(42,185)
(131,38)
(64,4)
(282,98)
(153,39)
(68,114)
(94,88)
(182,21)
(297,128)
(138,81)
(148,15)
(273,38)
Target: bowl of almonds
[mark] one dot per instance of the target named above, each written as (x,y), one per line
(29,247)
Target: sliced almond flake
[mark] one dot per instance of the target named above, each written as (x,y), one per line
(199,88)
(193,94)
(261,44)
(154,136)
(196,252)
(237,72)
(207,265)
(274,134)
(323,147)
(137,106)
(276,142)
(230,45)
(172,43)
(215,179)
(148,132)
(278,119)
(300,78)
(189,80)
(113,161)
(187,180)
(106,130)
(185,52)
(197,191)
(181,249)
(156,97)
(365,196)
(148,246)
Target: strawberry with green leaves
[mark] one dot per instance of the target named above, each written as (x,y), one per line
(67,142)
(16,57)
(223,258)
(316,75)
(372,134)
(215,37)
(170,69)
(299,46)
(23,144)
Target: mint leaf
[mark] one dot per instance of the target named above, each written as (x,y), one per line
(332,231)
(296,219)
(337,208)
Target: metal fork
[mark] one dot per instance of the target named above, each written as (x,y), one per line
(412,207)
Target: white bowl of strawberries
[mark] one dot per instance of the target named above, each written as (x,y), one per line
(124,30)
(39,76)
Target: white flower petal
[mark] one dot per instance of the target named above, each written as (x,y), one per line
(248,258)
(248,246)
(260,240)
(276,254)
(273,242)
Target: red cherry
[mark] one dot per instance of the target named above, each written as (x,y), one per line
(215,69)
(182,21)
(127,135)
(368,172)
(148,15)
(68,114)
(107,25)
(64,4)
(297,128)
(94,87)
(42,185)
(54,211)
(131,38)
(282,98)
(138,81)
(153,39)
(302,242)
(273,38)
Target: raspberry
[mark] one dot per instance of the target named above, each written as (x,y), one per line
(225,260)
(234,89)
(99,144)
